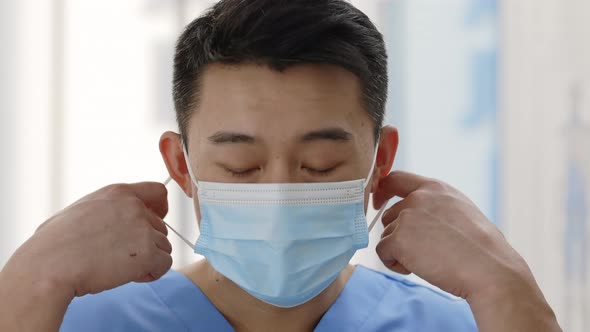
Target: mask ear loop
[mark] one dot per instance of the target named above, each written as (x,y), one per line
(378,216)
(382,209)
(167,181)
(194,181)
(190,169)
(371,169)
(189,243)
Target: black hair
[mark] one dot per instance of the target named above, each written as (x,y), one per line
(281,34)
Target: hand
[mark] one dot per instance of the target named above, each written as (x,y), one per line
(109,238)
(437,233)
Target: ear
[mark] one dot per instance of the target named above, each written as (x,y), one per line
(173,155)
(386,152)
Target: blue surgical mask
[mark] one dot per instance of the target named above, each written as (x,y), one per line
(283,243)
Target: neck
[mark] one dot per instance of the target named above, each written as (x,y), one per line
(247,313)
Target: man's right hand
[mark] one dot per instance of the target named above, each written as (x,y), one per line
(109,238)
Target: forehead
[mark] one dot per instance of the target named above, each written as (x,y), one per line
(262,101)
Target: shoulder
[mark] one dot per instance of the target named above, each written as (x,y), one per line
(131,307)
(406,303)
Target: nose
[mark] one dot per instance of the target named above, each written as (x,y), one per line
(279,169)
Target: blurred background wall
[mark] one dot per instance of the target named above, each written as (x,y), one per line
(492,96)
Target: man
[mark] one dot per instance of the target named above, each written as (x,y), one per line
(280,107)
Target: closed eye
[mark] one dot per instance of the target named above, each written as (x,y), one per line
(320,172)
(240,172)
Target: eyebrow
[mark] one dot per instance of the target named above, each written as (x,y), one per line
(223,137)
(331,134)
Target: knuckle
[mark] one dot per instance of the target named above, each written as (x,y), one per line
(490,236)
(448,199)
(397,231)
(158,189)
(436,185)
(135,205)
(419,196)
(405,215)
(445,202)
(397,234)
(499,234)
(485,236)
(484,240)
(405,224)
(117,189)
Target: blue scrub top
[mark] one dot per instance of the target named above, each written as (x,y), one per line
(370,301)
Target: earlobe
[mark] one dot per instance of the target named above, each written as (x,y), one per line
(172,153)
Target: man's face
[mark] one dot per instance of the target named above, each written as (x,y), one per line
(257,125)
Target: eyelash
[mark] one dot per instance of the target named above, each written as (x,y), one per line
(242,173)
(247,172)
(320,172)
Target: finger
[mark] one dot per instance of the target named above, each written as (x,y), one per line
(385,250)
(162,242)
(387,247)
(154,266)
(153,194)
(157,223)
(162,263)
(397,183)
(146,278)
(390,247)
(398,268)
(394,211)
(393,265)
(388,229)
